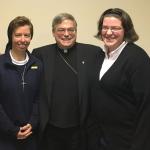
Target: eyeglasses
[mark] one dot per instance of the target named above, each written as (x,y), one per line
(63,30)
(113,28)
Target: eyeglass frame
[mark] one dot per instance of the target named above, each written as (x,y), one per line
(63,30)
(112,28)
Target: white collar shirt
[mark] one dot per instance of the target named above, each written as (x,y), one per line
(109,60)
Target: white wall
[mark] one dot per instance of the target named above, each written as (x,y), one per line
(86,12)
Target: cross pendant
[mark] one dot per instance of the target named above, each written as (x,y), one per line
(23,84)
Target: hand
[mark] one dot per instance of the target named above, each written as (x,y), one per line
(24,132)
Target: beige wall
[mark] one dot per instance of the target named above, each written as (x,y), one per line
(86,12)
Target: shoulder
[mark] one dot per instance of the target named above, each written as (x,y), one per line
(3,58)
(136,52)
(135,57)
(44,49)
(34,60)
(89,48)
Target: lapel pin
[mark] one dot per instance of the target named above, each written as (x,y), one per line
(83,62)
(34,67)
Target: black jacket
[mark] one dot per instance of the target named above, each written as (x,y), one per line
(87,56)
(121,101)
(18,106)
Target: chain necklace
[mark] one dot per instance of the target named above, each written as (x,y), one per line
(23,79)
(67,63)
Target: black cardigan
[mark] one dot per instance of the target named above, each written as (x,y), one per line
(121,101)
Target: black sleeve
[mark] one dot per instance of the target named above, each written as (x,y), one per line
(6,126)
(141,89)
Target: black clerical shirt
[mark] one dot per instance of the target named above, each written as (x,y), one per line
(64,111)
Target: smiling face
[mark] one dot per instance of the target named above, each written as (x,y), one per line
(21,38)
(112,32)
(65,34)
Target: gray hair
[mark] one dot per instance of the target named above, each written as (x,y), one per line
(60,18)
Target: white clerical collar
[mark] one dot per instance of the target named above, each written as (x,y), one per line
(20,63)
(65,50)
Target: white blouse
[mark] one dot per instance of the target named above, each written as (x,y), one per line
(109,60)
